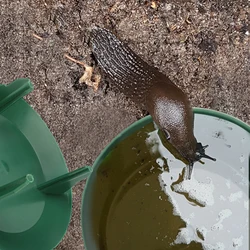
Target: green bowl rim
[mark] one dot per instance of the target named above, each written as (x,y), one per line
(223,116)
(140,123)
(147,119)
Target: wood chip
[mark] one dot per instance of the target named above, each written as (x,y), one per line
(87,76)
(114,7)
(154,5)
(188,20)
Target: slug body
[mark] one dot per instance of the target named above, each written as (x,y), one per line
(150,90)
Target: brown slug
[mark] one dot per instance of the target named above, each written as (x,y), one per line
(151,90)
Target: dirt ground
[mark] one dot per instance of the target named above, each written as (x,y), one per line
(204,47)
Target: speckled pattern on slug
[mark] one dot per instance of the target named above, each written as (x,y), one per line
(175,118)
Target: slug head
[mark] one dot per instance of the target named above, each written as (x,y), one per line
(175,118)
(200,152)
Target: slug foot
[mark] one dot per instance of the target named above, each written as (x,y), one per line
(88,77)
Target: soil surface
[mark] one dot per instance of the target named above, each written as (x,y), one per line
(203,46)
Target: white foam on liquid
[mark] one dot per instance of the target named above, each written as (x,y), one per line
(246,204)
(185,236)
(160,162)
(200,192)
(217,246)
(220,219)
(237,242)
(228,184)
(235,196)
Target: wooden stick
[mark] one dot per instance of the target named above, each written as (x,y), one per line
(38,37)
(75,61)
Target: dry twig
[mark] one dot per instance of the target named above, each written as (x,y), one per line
(88,73)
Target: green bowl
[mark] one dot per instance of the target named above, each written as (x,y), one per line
(29,157)
(229,142)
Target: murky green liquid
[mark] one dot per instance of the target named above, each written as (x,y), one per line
(131,210)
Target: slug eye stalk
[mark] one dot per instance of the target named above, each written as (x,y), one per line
(200,152)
